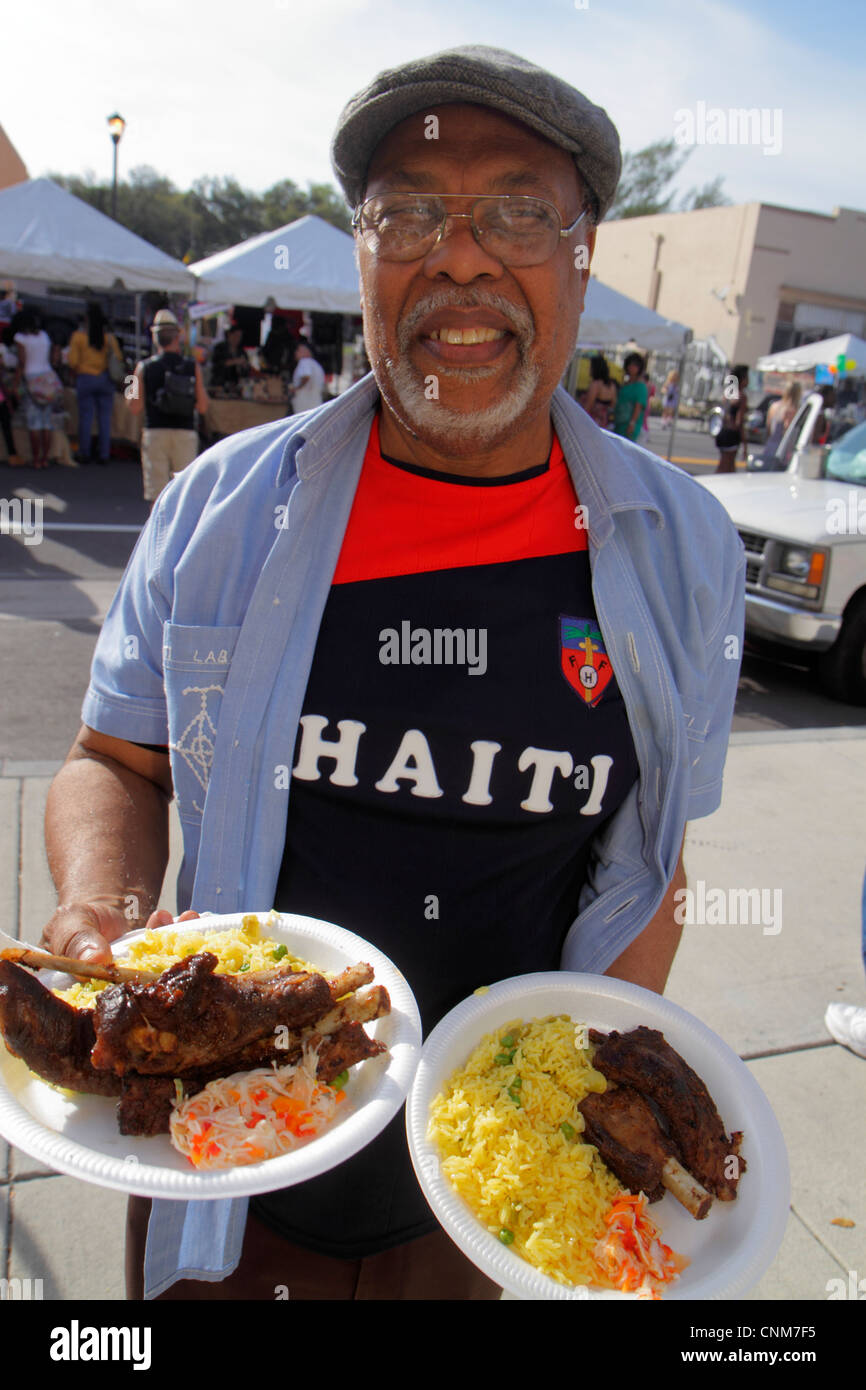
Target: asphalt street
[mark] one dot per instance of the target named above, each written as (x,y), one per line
(53,596)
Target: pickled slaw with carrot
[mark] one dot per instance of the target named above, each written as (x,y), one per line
(253,1115)
(632,1256)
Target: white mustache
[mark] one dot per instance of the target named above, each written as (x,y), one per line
(520,320)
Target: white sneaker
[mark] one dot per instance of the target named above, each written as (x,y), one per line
(847,1024)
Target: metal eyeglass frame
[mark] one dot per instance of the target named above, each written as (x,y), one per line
(476,231)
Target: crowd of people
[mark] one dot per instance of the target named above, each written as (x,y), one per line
(623,407)
(34,370)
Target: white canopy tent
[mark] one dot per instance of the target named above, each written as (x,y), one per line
(307,264)
(611,319)
(823,354)
(49,234)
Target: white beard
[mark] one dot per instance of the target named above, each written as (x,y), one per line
(451,431)
(458,433)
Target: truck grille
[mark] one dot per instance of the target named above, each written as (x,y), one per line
(754,544)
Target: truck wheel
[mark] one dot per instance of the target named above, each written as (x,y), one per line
(842,669)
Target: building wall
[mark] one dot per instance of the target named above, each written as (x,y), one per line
(802,259)
(756,254)
(12,166)
(700,252)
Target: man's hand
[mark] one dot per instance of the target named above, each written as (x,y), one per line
(85,931)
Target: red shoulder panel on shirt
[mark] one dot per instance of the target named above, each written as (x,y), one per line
(403,522)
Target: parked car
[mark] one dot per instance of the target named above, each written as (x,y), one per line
(803,525)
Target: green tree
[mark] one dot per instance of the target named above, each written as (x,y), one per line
(710,196)
(213,214)
(645,185)
(645,176)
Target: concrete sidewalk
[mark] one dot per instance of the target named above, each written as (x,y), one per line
(792,819)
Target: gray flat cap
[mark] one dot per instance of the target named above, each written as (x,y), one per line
(485,77)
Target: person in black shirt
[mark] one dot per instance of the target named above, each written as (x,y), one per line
(228,363)
(168,389)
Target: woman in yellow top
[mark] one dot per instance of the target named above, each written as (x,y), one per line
(88,359)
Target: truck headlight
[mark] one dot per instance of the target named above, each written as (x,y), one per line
(795,562)
(798,571)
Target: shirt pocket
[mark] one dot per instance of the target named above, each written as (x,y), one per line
(196,664)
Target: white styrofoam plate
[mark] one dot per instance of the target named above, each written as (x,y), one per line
(735,1243)
(79,1135)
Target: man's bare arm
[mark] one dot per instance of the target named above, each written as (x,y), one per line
(648,959)
(106,837)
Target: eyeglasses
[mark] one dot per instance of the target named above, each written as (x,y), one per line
(516,229)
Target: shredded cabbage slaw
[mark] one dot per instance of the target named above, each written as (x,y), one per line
(253,1115)
(632,1256)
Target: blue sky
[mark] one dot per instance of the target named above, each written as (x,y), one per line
(253,89)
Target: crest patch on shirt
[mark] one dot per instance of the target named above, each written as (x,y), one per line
(585,663)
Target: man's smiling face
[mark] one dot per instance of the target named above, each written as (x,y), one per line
(496,338)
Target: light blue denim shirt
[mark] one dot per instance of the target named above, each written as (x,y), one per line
(208,645)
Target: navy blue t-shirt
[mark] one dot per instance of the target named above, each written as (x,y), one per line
(462,740)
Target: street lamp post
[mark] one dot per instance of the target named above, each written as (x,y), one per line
(116,126)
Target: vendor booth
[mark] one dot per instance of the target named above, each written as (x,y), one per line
(49,240)
(825,363)
(301,278)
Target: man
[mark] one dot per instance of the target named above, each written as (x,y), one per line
(229,363)
(308,379)
(169,389)
(520,803)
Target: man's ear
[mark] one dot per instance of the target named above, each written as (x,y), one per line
(586,262)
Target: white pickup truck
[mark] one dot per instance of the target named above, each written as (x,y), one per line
(802,519)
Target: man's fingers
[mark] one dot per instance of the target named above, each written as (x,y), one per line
(89,945)
(85,931)
(161,918)
(79,941)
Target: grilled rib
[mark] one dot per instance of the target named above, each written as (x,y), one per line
(644,1060)
(52,1037)
(634,1147)
(190,1018)
(145,1104)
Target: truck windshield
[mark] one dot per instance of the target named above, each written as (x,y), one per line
(846,460)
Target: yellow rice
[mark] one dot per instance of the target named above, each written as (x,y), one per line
(238,949)
(540,1189)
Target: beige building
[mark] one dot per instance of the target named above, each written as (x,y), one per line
(756,278)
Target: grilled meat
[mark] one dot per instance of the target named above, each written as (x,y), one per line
(642,1059)
(636,1149)
(53,1038)
(190,1018)
(145,1104)
(624,1130)
(57,1041)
